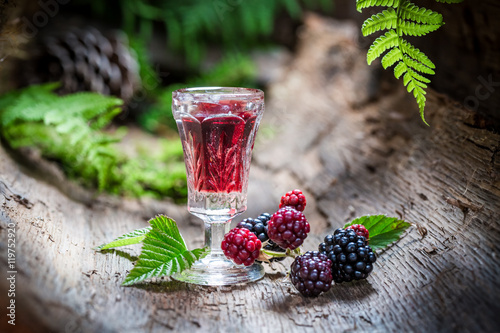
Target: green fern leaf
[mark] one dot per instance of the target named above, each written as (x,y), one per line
(417,76)
(361,4)
(384,20)
(416,29)
(403,18)
(381,44)
(29,104)
(392,57)
(400,69)
(417,65)
(415,86)
(416,54)
(409,11)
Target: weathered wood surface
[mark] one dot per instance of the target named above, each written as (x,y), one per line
(354,152)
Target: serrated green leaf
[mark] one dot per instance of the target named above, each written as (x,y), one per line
(416,29)
(409,11)
(164,252)
(133,237)
(383,230)
(360,4)
(416,54)
(400,69)
(417,65)
(381,44)
(402,18)
(392,57)
(387,19)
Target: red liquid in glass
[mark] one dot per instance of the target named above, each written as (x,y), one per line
(217,146)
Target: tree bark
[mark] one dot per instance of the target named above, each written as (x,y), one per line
(354,149)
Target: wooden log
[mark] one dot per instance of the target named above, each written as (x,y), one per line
(354,151)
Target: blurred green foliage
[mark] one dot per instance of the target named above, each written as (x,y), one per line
(193,25)
(68,129)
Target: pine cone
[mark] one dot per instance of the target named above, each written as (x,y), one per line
(86,60)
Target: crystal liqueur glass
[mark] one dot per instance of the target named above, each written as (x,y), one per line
(217,127)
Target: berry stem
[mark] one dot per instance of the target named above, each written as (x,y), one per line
(274,254)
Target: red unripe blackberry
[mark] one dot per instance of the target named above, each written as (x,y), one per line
(258,227)
(288,228)
(241,246)
(294,199)
(311,273)
(360,230)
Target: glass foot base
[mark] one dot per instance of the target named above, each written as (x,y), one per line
(217,271)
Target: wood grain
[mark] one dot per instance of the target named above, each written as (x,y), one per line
(355,150)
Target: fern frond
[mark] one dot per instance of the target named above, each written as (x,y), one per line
(384,20)
(409,11)
(88,105)
(361,4)
(403,18)
(417,65)
(416,29)
(381,44)
(400,69)
(417,76)
(416,54)
(392,57)
(28,104)
(64,129)
(413,85)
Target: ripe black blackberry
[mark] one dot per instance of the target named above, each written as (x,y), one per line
(311,273)
(258,227)
(351,257)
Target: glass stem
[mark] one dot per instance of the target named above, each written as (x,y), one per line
(214,234)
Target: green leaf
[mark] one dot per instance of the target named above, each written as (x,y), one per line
(383,230)
(381,44)
(410,62)
(133,237)
(384,20)
(416,54)
(420,15)
(400,69)
(392,57)
(164,252)
(416,29)
(360,4)
(402,18)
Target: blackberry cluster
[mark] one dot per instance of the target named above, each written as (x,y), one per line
(288,228)
(258,227)
(311,273)
(352,258)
